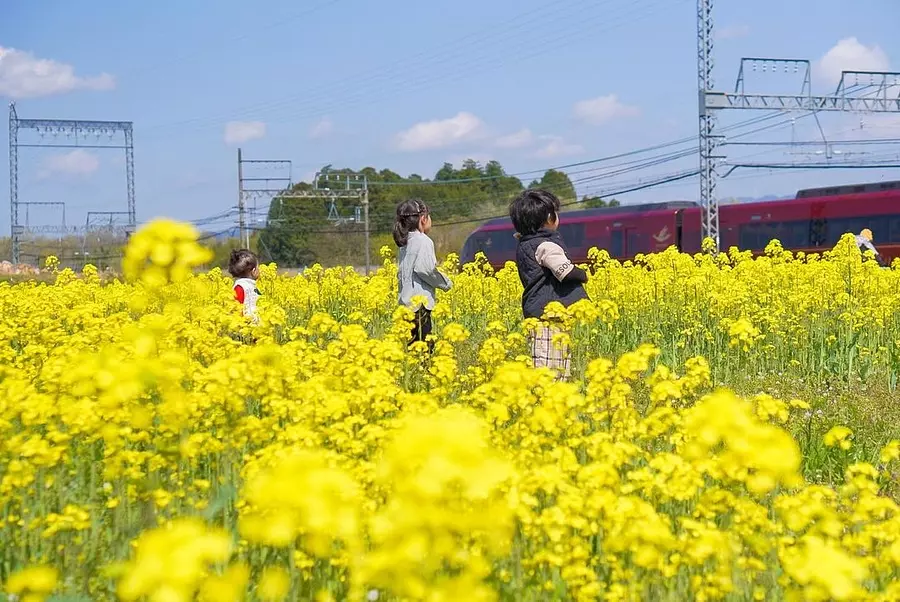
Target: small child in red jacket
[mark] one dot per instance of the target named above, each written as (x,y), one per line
(244,267)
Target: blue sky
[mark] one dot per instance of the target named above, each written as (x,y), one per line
(409,85)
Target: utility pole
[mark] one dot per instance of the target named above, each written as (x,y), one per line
(242,218)
(14,182)
(365,204)
(858,91)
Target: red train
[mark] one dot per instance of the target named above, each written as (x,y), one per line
(813,221)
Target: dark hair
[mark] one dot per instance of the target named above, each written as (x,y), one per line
(531,210)
(408,215)
(242,263)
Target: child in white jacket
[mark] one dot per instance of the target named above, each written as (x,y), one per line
(244,266)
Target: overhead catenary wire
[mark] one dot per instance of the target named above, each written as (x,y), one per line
(355,92)
(628,166)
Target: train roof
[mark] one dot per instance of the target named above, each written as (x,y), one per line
(848,189)
(640,208)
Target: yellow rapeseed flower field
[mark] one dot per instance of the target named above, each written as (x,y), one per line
(727,435)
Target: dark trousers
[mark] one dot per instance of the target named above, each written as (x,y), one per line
(422,328)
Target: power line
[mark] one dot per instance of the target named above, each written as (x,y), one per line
(874,141)
(677,142)
(624,190)
(206,47)
(357,92)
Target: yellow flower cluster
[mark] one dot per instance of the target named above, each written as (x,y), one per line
(165,251)
(170,450)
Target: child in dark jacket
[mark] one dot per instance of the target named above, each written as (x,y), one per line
(546,272)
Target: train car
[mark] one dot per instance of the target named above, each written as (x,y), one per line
(813,221)
(623,231)
(806,223)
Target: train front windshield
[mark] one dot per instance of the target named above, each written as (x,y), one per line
(468,250)
(496,245)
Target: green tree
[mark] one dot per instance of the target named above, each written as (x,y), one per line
(298,231)
(595,202)
(558,183)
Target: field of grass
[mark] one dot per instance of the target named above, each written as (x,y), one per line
(730,432)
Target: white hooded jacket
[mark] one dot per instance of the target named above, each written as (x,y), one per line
(250,295)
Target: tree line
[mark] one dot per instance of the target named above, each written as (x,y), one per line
(302,231)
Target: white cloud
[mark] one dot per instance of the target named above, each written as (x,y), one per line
(23,75)
(79,162)
(732,32)
(519,139)
(850,54)
(600,110)
(556,146)
(441,133)
(237,132)
(321,128)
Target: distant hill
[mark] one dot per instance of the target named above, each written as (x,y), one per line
(221,235)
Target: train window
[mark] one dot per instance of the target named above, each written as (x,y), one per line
(852,225)
(637,242)
(893,229)
(469,250)
(818,232)
(615,243)
(573,235)
(501,241)
(756,236)
(794,234)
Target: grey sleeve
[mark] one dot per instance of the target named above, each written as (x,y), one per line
(425,265)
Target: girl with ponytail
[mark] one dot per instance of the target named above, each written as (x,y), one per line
(418,274)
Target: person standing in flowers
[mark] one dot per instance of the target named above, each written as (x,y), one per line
(418,274)
(864,242)
(546,272)
(244,267)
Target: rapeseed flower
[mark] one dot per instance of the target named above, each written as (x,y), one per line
(155,445)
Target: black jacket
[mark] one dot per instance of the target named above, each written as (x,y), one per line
(541,286)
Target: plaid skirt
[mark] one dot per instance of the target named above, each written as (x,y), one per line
(544,354)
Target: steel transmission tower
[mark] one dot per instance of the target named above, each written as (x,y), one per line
(75,134)
(265,186)
(327,187)
(60,229)
(882,96)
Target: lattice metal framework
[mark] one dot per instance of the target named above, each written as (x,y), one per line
(60,229)
(112,223)
(880,94)
(708,140)
(327,187)
(276,177)
(76,134)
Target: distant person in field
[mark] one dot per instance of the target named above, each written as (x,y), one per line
(418,274)
(545,270)
(864,242)
(244,267)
